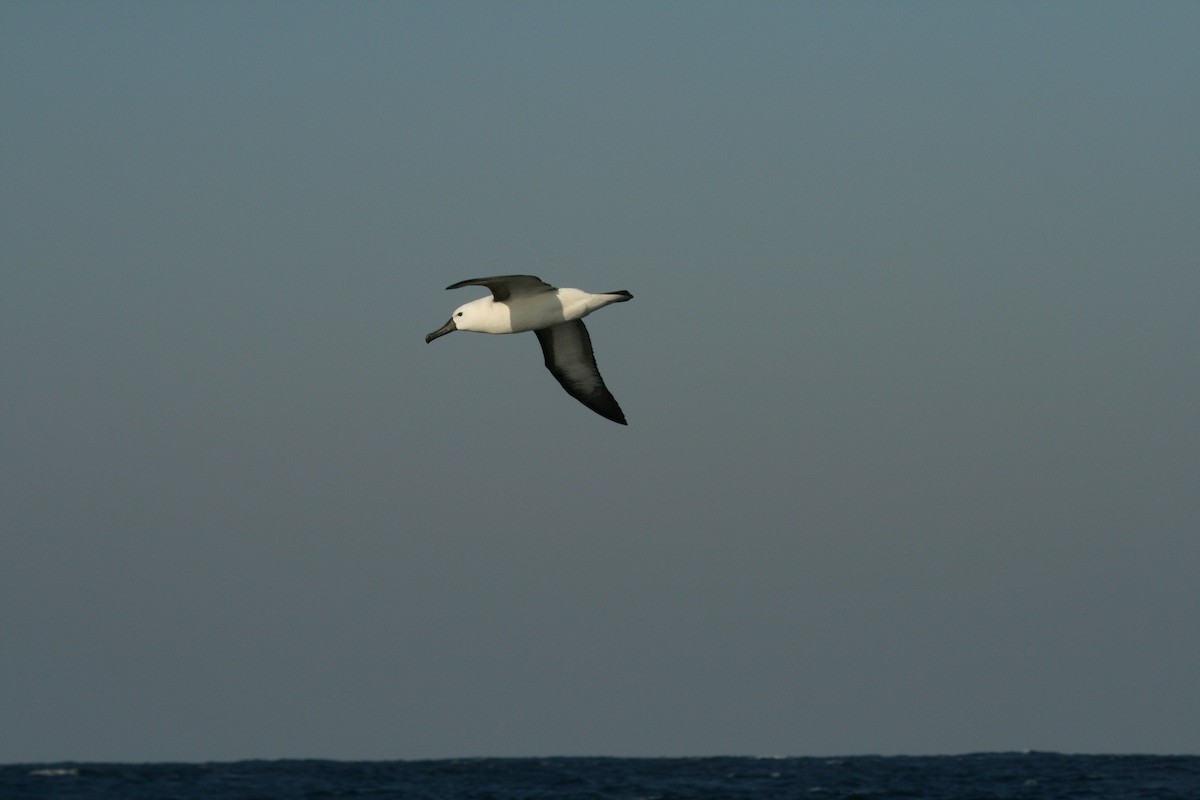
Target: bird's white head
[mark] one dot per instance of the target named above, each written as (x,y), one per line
(477,315)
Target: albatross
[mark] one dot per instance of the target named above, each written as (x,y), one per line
(525,303)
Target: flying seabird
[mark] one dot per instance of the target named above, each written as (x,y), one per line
(524,303)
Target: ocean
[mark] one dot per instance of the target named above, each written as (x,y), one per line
(978,777)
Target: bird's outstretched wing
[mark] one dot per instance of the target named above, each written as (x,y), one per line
(568,351)
(503,287)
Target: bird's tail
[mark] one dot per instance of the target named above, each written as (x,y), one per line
(621,295)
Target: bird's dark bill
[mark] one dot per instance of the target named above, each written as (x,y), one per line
(449,327)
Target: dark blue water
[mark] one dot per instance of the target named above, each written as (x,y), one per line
(981,776)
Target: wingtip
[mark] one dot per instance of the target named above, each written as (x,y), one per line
(616,415)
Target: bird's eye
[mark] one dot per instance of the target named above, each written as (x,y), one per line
(459,314)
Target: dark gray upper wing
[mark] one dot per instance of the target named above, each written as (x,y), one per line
(568,351)
(503,287)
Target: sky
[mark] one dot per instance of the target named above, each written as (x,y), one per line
(910,374)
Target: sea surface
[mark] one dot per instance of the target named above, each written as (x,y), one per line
(978,777)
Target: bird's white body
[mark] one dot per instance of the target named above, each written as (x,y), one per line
(535,312)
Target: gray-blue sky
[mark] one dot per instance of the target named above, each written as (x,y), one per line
(911,376)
